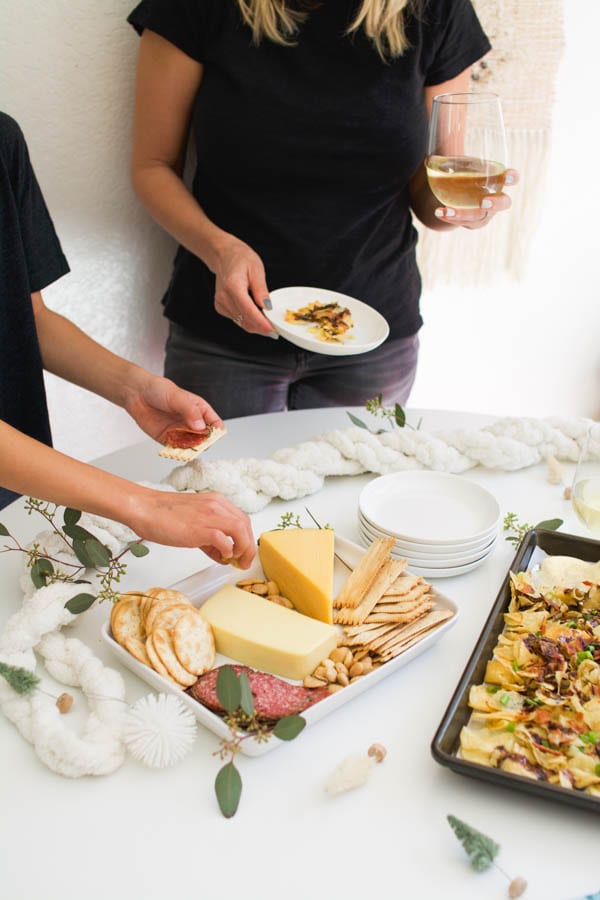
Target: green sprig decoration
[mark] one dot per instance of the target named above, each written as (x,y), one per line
(482,852)
(21,680)
(394,416)
(235,696)
(91,554)
(518,530)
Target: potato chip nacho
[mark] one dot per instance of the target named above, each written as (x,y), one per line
(538,712)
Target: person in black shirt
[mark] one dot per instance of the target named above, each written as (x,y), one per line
(309,122)
(33,338)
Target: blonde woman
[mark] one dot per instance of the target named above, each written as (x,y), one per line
(309,122)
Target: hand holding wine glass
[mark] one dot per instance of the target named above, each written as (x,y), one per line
(585,491)
(466,158)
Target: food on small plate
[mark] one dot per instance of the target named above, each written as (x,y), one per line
(331,321)
(162,629)
(537,714)
(184,445)
(301,562)
(253,631)
(273,697)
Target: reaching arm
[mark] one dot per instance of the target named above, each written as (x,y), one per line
(425,205)
(155,403)
(208,521)
(166,86)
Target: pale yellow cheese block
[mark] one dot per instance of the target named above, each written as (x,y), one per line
(266,636)
(301,561)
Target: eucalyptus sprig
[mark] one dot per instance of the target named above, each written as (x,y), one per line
(518,530)
(395,415)
(91,554)
(235,696)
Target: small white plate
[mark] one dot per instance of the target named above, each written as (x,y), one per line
(369,331)
(430,562)
(427,571)
(435,508)
(202,585)
(431,552)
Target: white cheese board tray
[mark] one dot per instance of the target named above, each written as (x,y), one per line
(202,585)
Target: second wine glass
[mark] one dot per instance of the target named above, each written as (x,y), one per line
(466,154)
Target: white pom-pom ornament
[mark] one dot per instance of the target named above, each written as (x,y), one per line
(159,730)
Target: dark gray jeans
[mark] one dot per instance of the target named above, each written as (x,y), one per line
(285,377)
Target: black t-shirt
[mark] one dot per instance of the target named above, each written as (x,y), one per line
(305,152)
(30,259)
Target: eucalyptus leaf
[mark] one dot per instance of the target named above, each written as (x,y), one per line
(71,516)
(357,421)
(229,690)
(228,788)
(80,551)
(550,524)
(98,553)
(246,698)
(4,530)
(138,549)
(399,416)
(77,533)
(40,571)
(289,727)
(79,603)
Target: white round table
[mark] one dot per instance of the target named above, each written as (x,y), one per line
(149,834)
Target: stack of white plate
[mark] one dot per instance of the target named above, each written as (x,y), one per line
(444,525)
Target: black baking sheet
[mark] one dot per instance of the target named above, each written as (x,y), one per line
(446,742)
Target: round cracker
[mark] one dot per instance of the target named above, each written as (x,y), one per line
(156,661)
(194,643)
(164,647)
(130,595)
(167,618)
(126,621)
(137,648)
(161,603)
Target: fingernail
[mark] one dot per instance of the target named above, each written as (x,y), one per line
(439,213)
(274,335)
(486,204)
(510,179)
(198,425)
(449,213)
(267,303)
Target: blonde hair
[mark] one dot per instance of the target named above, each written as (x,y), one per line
(278,20)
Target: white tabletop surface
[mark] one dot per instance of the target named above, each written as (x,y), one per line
(142,833)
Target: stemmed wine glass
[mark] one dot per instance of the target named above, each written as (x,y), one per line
(466,154)
(585,490)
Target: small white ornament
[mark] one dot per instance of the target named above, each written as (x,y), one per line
(159,730)
(555,471)
(351,773)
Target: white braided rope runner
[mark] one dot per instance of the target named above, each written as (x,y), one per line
(109,730)
(506,444)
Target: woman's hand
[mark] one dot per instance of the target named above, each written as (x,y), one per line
(241,289)
(156,404)
(479,218)
(206,520)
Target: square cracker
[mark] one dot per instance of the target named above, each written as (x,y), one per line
(187,454)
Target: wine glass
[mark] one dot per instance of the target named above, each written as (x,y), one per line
(585,490)
(466,153)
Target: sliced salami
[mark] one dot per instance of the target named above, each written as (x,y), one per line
(273,697)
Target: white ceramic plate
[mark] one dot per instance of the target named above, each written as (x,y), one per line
(426,552)
(431,562)
(369,331)
(201,586)
(427,571)
(424,507)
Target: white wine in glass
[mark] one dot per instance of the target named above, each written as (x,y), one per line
(466,153)
(585,491)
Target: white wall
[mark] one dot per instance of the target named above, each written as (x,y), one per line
(66,74)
